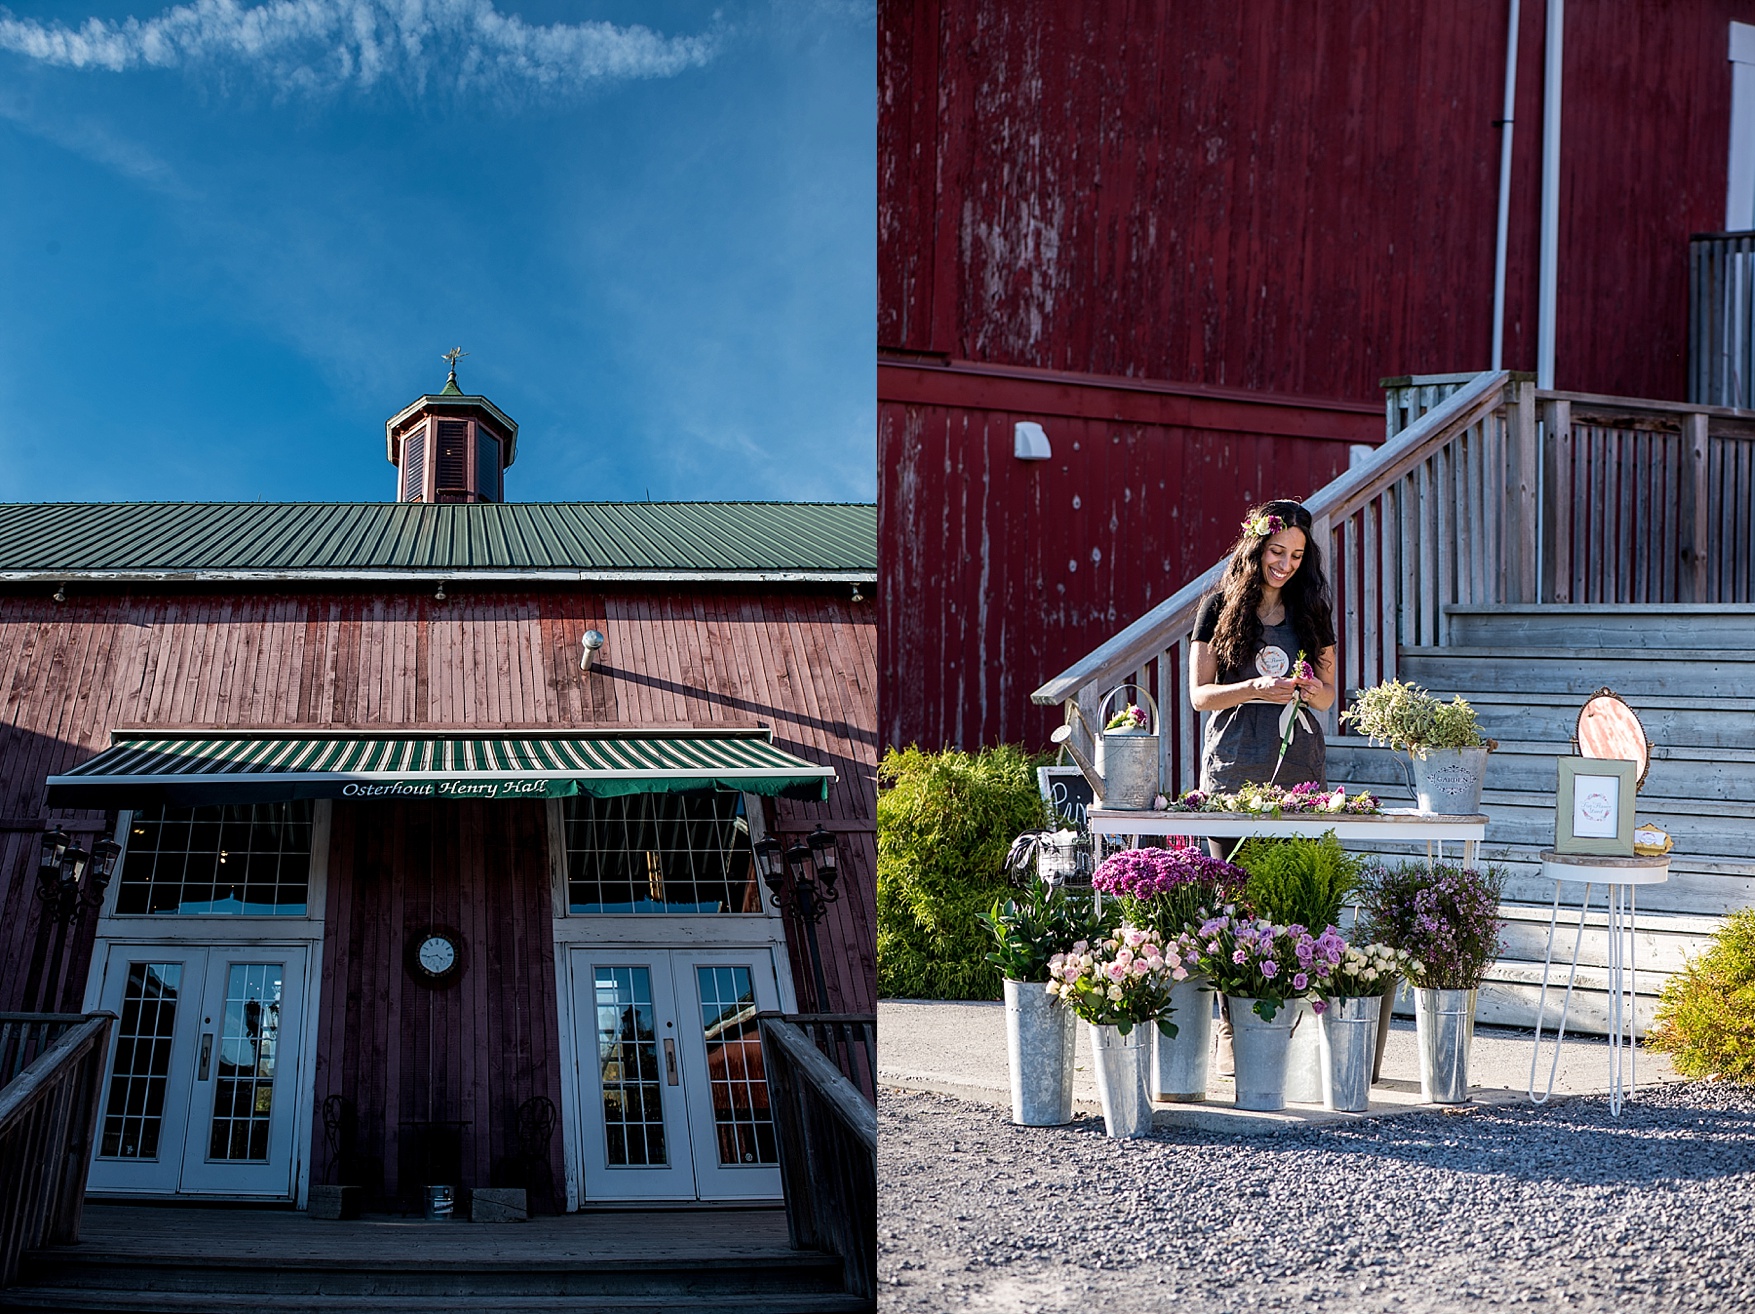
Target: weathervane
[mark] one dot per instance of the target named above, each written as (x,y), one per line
(451,357)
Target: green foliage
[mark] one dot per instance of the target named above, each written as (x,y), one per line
(1298,880)
(1028,931)
(1405,716)
(1706,1015)
(1443,916)
(945,822)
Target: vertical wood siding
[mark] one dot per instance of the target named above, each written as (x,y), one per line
(801,659)
(1292,197)
(400,1051)
(996,574)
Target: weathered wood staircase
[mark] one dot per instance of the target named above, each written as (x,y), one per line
(1525,549)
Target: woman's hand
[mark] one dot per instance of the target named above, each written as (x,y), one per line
(1274,688)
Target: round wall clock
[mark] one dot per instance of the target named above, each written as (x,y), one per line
(435,956)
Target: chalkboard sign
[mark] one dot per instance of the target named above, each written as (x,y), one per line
(1065,789)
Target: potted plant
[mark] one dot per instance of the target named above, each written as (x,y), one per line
(1443,741)
(1169,891)
(1299,881)
(1445,919)
(1347,1027)
(1261,967)
(1027,933)
(1120,986)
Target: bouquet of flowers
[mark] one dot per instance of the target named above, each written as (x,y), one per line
(1276,800)
(1028,931)
(1444,917)
(1130,718)
(1122,981)
(1366,971)
(1168,890)
(1257,960)
(1294,716)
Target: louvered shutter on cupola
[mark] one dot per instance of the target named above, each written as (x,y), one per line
(414,464)
(453,456)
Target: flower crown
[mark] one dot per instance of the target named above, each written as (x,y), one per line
(1264,526)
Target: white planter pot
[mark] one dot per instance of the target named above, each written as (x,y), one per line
(1121,1063)
(1260,1049)
(1039,1038)
(1180,1066)
(1303,1055)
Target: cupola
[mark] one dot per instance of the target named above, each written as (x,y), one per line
(450,446)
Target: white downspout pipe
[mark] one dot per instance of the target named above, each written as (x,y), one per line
(1504,193)
(1550,256)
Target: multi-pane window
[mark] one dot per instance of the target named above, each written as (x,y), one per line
(735,1075)
(627,1055)
(250,859)
(134,1115)
(660,853)
(243,1074)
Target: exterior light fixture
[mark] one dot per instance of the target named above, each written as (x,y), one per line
(593,640)
(70,886)
(857,595)
(60,593)
(439,594)
(802,877)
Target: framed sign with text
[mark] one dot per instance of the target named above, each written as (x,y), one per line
(1595,806)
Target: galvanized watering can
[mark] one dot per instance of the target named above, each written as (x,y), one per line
(1125,774)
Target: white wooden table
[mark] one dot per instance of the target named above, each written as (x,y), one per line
(1619,877)
(1430,829)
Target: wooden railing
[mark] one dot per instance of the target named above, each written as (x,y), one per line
(1485,491)
(828,1153)
(849,1040)
(25,1037)
(48,1123)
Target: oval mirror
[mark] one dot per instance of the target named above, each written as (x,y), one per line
(1608,728)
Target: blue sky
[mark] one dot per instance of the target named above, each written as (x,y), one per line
(235,237)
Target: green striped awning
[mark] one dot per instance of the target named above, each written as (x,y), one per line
(193,770)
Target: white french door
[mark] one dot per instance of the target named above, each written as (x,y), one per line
(203,1071)
(673,1092)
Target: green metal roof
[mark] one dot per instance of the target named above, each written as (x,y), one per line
(195,770)
(566,540)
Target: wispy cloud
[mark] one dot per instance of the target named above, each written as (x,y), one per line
(317,47)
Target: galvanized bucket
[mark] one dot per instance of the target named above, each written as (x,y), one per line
(1039,1032)
(1448,780)
(440,1204)
(1303,1055)
(1128,759)
(1444,1021)
(1180,1065)
(1121,1063)
(1260,1049)
(1348,1032)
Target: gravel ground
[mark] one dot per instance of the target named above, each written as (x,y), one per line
(1519,1208)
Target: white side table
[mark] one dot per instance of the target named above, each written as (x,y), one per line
(1619,877)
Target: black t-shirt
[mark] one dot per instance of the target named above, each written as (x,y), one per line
(1242,743)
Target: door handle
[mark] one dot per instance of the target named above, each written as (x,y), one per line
(206,1055)
(670,1059)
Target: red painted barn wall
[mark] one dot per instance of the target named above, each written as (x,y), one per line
(1291,197)
(1281,197)
(800,659)
(997,573)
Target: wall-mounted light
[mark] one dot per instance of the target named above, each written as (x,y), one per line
(593,640)
(60,593)
(857,595)
(439,594)
(1030,441)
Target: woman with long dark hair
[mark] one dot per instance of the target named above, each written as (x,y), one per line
(1271,609)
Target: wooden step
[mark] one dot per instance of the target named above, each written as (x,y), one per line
(1577,673)
(1670,721)
(1596,625)
(1677,776)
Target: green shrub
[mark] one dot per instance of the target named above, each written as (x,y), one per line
(945,822)
(1706,1015)
(1298,879)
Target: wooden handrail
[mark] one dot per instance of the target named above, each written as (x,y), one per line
(827,1136)
(48,1130)
(1164,624)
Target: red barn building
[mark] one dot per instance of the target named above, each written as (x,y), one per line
(440,823)
(1187,241)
